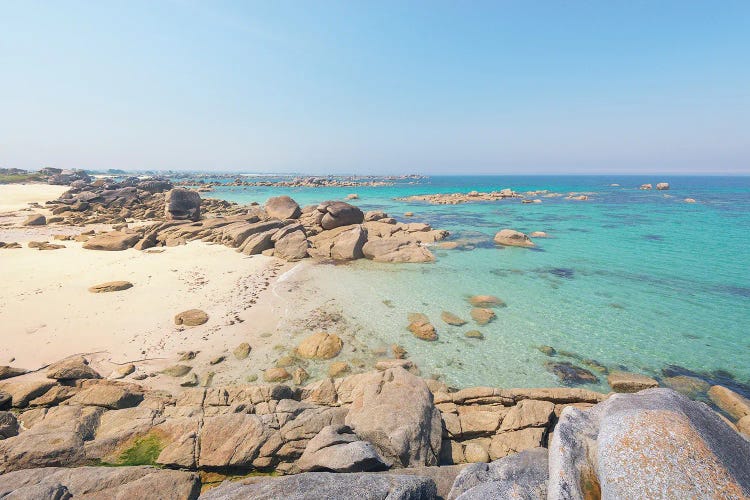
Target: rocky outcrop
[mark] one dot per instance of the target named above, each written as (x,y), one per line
(662,186)
(112,241)
(654,444)
(182,204)
(59,483)
(520,476)
(404,435)
(282,207)
(327,485)
(512,238)
(729,401)
(396,250)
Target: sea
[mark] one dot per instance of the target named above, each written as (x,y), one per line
(627,280)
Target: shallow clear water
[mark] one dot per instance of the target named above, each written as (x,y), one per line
(630,278)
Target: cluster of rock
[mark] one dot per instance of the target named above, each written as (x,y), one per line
(661,186)
(307,182)
(333,434)
(332,230)
(457,198)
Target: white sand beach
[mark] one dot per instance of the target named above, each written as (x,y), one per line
(18,196)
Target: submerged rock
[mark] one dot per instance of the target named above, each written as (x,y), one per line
(692,387)
(482,316)
(423,330)
(568,373)
(621,381)
(653,444)
(729,401)
(451,319)
(486,301)
(513,238)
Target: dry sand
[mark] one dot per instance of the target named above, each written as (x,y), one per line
(18,196)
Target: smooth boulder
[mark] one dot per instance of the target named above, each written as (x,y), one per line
(338,213)
(182,204)
(320,345)
(35,220)
(112,241)
(74,368)
(282,207)
(191,317)
(110,286)
(653,444)
(336,448)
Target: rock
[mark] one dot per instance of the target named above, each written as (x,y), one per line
(6,400)
(475,453)
(72,368)
(396,250)
(662,186)
(299,376)
(486,301)
(338,368)
(452,319)
(653,444)
(191,317)
(217,359)
(630,382)
(190,380)
(743,425)
(58,483)
(547,350)
(8,425)
(510,237)
(177,370)
(338,213)
(646,187)
(292,246)
(320,345)
(112,241)
(404,435)
(538,234)
(112,395)
(9,372)
(374,215)
(122,371)
(569,373)
(22,393)
(35,220)
(282,207)
(528,413)
(276,375)
(111,286)
(689,200)
(336,448)
(408,214)
(231,440)
(692,387)
(341,243)
(482,315)
(182,204)
(729,401)
(520,476)
(353,196)
(242,351)
(423,330)
(474,334)
(44,245)
(329,485)
(53,397)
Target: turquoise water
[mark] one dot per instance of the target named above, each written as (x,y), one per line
(632,279)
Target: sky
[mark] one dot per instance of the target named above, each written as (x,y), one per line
(481,87)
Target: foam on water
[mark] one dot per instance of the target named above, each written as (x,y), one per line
(633,279)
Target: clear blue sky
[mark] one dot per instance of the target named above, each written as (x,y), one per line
(383,86)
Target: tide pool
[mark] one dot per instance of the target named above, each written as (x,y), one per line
(632,279)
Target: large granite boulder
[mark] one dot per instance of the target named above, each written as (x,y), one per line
(341,243)
(317,485)
(35,220)
(282,207)
(10,372)
(338,213)
(182,204)
(404,435)
(335,448)
(320,345)
(112,241)
(522,476)
(57,483)
(292,246)
(513,238)
(653,444)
